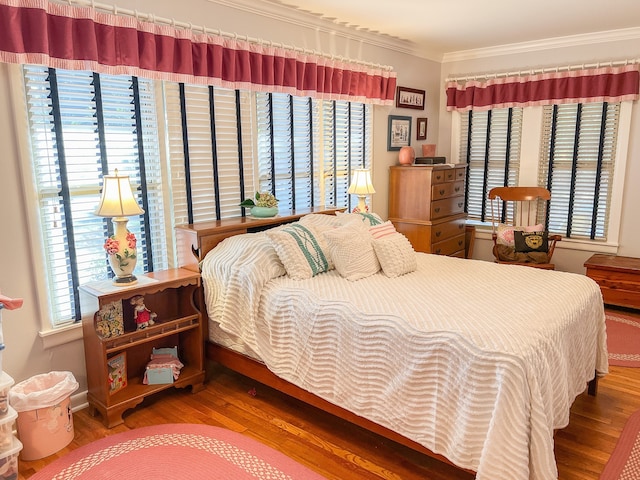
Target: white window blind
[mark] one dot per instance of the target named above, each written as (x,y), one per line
(490,145)
(307,148)
(83,125)
(213,150)
(577,164)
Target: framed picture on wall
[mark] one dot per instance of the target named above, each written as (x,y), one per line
(410,98)
(421,129)
(399,134)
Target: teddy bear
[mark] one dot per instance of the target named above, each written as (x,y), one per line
(142,315)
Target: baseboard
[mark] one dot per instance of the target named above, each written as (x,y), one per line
(79,401)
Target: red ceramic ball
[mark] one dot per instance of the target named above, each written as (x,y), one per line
(406,156)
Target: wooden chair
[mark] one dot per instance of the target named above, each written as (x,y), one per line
(519,206)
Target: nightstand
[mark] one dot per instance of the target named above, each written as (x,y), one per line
(174,295)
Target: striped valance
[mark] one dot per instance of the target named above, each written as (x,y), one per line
(76,37)
(604,84)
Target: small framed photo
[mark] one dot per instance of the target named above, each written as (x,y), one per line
(421,129)
(399,132)
(410,98)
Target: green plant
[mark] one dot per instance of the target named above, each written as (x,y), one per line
(263,199)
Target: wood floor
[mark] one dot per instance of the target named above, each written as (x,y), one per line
(341,451)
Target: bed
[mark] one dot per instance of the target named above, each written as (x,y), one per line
(481,361)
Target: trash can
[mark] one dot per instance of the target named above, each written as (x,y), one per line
(45,421)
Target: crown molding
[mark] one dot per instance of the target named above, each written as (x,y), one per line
(277,10)
(546,44)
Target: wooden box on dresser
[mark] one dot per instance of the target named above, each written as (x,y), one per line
(174,295)
(426,204)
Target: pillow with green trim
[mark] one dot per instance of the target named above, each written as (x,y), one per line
(301,249)
(369,219)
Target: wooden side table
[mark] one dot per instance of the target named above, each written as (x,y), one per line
(618,277)
(174,296)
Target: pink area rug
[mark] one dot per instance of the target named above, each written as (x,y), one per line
(623,340)
(172,451)
(624,463)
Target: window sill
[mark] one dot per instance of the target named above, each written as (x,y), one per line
(60,336)
(565,243)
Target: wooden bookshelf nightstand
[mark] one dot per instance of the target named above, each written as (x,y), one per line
(174,296)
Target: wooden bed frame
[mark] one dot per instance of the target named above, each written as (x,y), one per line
(196,240)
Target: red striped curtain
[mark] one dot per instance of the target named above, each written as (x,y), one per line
(81,38)
(605,84)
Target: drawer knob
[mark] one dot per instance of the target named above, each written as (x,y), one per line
(438,233)
(461,226)
(438,251)
(460,243)
(457,189)
(460,204)
(438,177)
(442,192)
(437,209)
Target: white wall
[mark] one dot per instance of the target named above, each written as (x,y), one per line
(25,354)
(588,53)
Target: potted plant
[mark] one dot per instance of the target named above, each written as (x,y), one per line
(265,205)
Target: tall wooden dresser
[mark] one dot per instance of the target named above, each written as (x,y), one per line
(426,204)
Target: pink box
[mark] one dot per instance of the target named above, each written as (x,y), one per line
(44,431)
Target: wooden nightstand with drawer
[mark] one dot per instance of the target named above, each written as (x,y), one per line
(426,204)
(618,277)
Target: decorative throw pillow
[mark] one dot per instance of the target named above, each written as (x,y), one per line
(301,249)
(351,250)
(531,241)
(321,222)
(505,233)
(395,254)
(383,230)
(369,219)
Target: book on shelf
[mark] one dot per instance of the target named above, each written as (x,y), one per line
(117,366)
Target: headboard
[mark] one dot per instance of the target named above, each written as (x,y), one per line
(195,240)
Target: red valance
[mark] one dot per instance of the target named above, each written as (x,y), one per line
(610,84)
(82,38)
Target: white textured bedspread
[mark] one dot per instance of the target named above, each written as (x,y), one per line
(476,361)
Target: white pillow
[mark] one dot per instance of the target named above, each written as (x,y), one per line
(301,249)
(351,250)
(395,254)
(368,218)
(321,221)
(383,230)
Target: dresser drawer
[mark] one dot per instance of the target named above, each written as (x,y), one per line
(446,190)
(446,207)
(444,231)
(449,246)
(438,176)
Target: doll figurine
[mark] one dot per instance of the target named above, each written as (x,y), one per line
(142,315)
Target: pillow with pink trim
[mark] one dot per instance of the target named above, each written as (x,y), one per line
(505,235)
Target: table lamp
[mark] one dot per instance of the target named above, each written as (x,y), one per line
(118,203)
(361,186)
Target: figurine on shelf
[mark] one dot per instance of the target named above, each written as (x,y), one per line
(141,314)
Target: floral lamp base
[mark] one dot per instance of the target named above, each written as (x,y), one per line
(121,248)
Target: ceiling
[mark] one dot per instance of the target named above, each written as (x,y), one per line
(438,27)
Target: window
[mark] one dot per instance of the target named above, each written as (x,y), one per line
(307,148)
(490,146)
(84,125)
(189,153)
(577,165)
